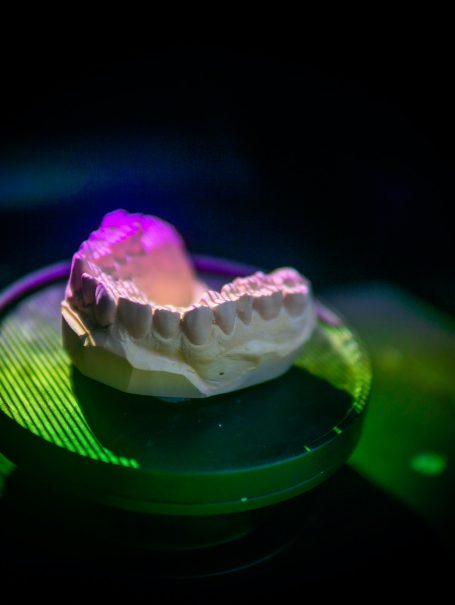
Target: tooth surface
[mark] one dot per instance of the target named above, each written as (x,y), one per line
(166,322)
(135,316)
(89,285)
(197,324)
(78,267)
(286,276)
(228,292)
(245,308)
(225,314)
(105,307)
(268,305)
(295,303)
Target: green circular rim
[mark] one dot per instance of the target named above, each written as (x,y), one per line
(98,473)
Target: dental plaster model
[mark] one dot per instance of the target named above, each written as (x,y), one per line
(136,317)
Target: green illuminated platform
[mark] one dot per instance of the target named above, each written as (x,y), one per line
(227,454)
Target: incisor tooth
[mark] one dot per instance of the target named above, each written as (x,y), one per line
(197,324)
(166,322)
(268,304)
(89,285)
(105,307)
(295,303)
(135,316)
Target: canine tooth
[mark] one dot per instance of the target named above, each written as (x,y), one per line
(105,307)
(268,304)
(135,316)
(295,303)
(197,324)
(89,285)
(245,308)
(166,322)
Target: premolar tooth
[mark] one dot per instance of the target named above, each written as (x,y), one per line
(89,285)
(225,314)
(105,307)
(245,308)
(268,304)
(166,322)
(295,303)
(224,310)
(197,324)
(135,316)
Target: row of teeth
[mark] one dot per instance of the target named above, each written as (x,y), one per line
(109,300)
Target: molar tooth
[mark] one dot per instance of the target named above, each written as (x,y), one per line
(89,285)
(197,324)
(135,316)
(268,304)
(295,303)
(242,285)
(245,308)
(105,307)
(210,298)
(261,277)
(166,322)
(228,292)
(116,218)
(287,276)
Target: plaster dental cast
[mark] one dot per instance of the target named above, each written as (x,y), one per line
(137,317)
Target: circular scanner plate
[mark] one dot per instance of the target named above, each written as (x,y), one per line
(224,454)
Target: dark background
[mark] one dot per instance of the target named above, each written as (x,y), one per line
(332,154)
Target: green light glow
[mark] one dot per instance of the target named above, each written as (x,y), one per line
(429,464)
(35,389)
(336,356)
(6,468)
